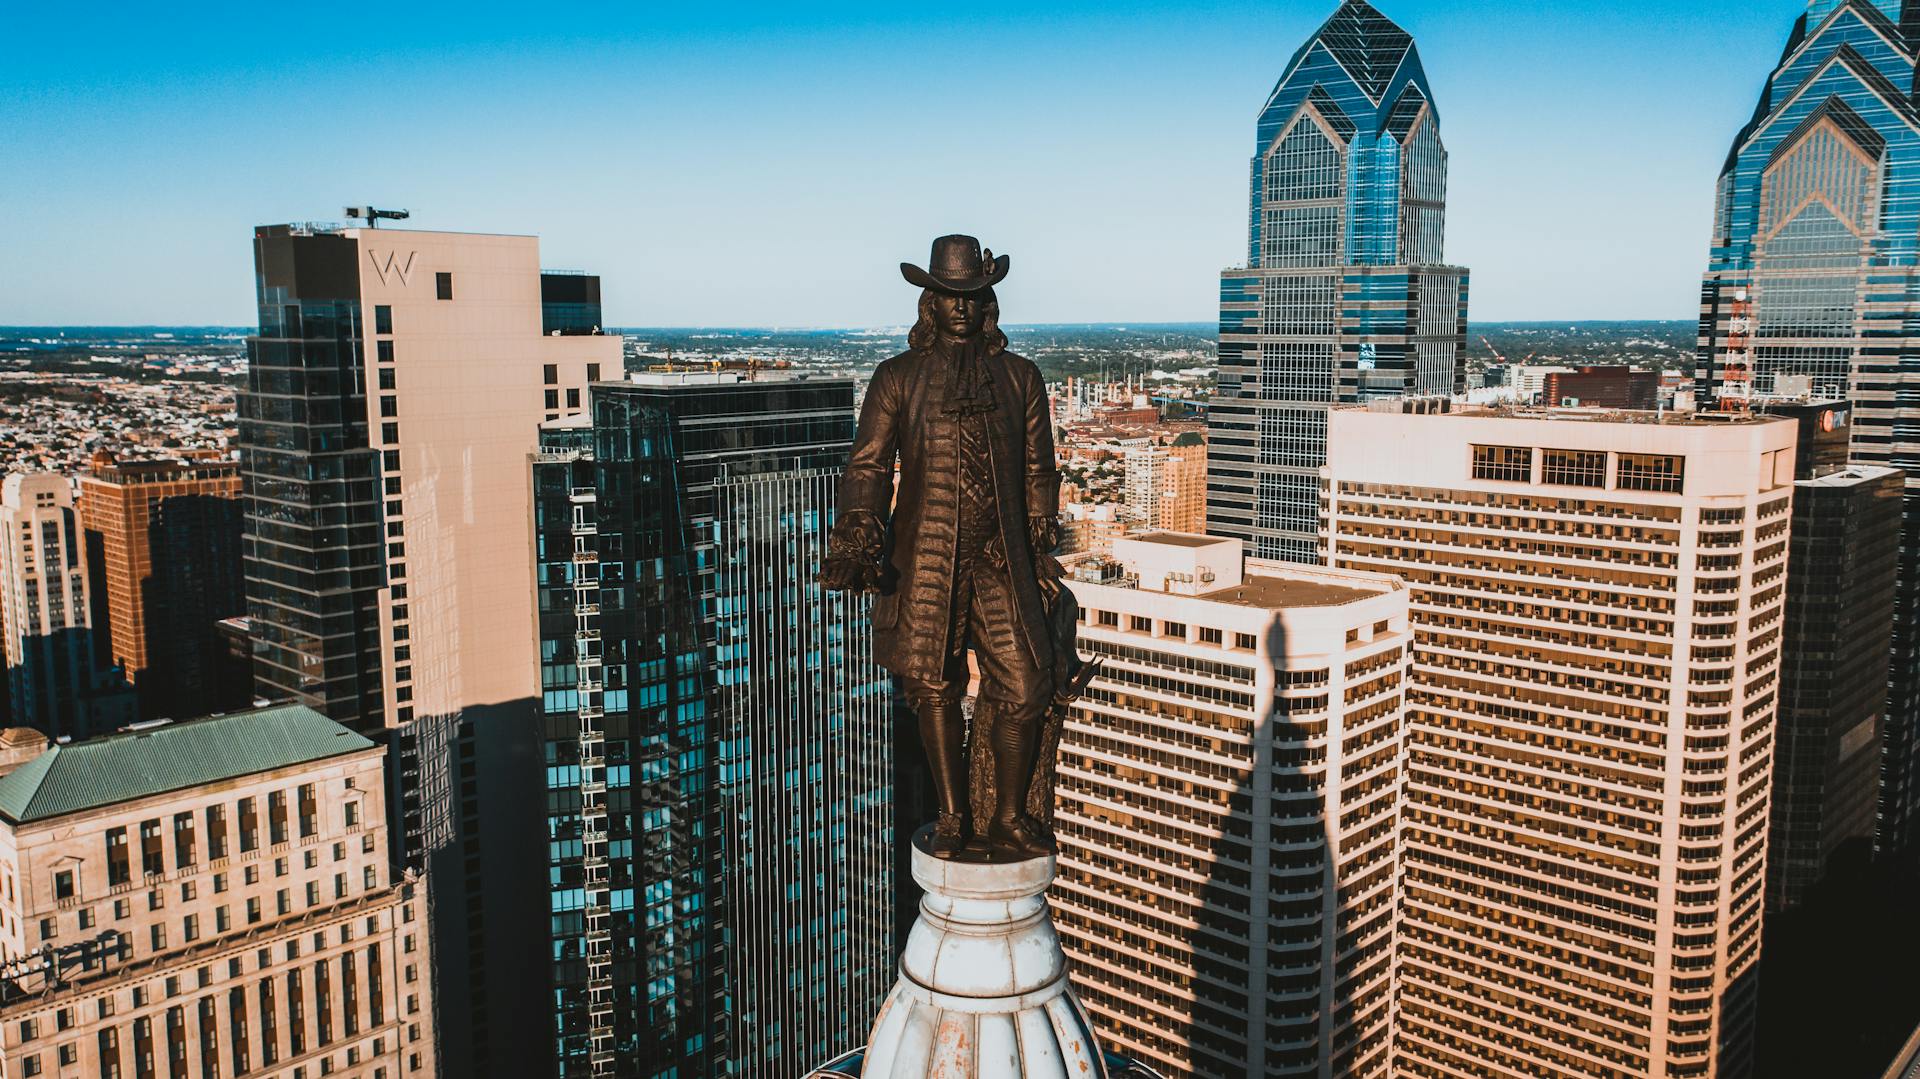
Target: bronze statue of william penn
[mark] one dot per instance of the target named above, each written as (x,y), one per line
(961,555)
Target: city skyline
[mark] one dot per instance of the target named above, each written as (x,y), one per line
(1094,116)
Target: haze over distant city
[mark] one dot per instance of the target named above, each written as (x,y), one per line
(763,166)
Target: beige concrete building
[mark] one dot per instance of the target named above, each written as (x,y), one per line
(52,676)
(1166,487)
(1227,810)
(209,898)
(1597,601)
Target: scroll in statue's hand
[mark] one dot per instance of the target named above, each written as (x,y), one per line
(856,556)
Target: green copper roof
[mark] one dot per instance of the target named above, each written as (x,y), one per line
(121,767)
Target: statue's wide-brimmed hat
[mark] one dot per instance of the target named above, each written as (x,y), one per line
(957,265)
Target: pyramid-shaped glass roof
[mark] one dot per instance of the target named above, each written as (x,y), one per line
(1368,44)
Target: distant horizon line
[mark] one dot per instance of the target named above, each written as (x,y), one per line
(888,327)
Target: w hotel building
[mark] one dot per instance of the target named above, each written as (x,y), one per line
(1228,808)
(209,898)
(1345,295)
(394,393)
(1597,608)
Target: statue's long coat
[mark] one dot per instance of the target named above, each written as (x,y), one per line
(904,413)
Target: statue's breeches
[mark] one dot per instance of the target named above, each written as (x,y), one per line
(983,619)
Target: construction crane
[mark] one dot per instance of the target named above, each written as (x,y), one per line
(373,216)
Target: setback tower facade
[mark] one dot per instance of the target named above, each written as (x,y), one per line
(1813,283)
(1597,604)
(1228,810)
(1345,295)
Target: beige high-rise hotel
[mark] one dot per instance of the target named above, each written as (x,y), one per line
(394,397)
(1597,601)
(1227,809)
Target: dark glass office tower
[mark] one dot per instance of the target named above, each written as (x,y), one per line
(718,739)
(1345,296)
(314,554)
(1842,554)
(1813,285)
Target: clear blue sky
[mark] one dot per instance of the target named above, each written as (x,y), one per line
(770,165)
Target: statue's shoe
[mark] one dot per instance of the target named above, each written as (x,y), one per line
(1019,836)
(949,836)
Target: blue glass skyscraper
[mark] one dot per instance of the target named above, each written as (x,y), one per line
(1813,285)
(719,742)
(1345,296)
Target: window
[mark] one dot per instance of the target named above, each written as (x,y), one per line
(1139,624)
(1209,636)
(383,351)
(593,372)
(86,918)
(443,285)
(386,378)
(119,871)
(1575,468)
(1512,464)
(190,928)
(550,374)
(63,884)
(1246,641)
(382,318)
(31,1065)
(352,812)
(183,845)
(553,398)
(249,826)
(277,817)
(573,398)
(221,921)
(1652,472)
(253,911)
(389,406)
(152,862)
(158,935)
(389,432)
(309,811)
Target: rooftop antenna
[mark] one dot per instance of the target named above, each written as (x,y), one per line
(373,216)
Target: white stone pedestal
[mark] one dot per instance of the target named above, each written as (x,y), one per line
(983,988)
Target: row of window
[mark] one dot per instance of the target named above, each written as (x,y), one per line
(1664,473)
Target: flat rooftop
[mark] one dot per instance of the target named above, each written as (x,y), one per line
(1179,539)
(1848,476)
(1269,593)
(1663,418)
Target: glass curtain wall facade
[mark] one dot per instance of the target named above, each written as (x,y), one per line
(718,740)
(1345,295)
(1814,275)
(313,552)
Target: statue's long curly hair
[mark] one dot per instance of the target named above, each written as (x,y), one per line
(925,331)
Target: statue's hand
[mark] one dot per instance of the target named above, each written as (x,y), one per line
(856,557)
(1043,535)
